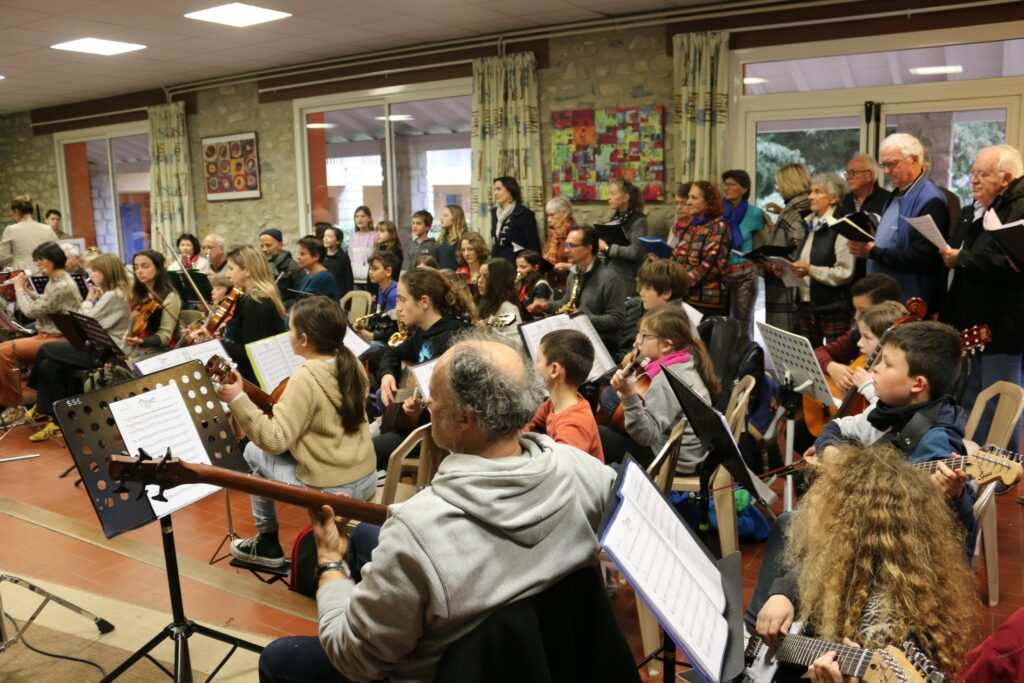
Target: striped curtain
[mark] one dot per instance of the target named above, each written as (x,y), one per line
(170,175)
(505,134)
(701,72)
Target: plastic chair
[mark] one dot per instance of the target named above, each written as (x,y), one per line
(1009,405)
(985,514)
(400,461)
(356,304)
(189,316)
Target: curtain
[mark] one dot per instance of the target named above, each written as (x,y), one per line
(701,72)
(505,134)
(170,175)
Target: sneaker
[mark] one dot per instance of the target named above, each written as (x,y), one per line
(49,431)
(258,550)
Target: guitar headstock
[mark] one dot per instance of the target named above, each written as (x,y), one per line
(219,369)
(167,472)
(895,665)
(986,466)
(974,339)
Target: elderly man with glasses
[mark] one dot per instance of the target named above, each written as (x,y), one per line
(865,193)
(898,250)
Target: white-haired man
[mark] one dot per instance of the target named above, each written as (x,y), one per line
(215,252)
(986,286)
(865,194)
(899,250)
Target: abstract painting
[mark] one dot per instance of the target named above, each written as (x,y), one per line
(231,167)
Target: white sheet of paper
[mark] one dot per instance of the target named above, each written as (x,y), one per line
(789,278)
(423,373)
(200,352)
(991,222)
(354,343)
(663,561)
(534,331)
(694,315)
(273,360)
(926,226)
(155,421)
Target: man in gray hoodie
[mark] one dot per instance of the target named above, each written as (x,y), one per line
(507,515)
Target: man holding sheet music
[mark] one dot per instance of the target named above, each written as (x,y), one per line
(507,515)
(985,286)
(898,249)
(593,288)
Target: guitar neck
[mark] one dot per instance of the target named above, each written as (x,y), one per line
(802,650)
(258,396)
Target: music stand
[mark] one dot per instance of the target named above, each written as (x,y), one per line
(188,295)
(92,434)
(798,373)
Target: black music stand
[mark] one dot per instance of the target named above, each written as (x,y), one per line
(188,295)
(92,434)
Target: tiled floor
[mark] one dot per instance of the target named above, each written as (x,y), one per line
(32,549)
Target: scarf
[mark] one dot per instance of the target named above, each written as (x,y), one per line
(885,417)
(622,217)
(680,227)
(670,358)
(733,216)
(503,213)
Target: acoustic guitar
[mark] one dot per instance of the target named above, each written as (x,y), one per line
(905,664)
(170,472)
(220,371)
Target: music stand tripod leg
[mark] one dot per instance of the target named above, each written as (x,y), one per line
(102,625)
(229,536)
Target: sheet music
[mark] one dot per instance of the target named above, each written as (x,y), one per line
(354,343)
(533,332)
(789,278)
(200,352)
(694,315)
(273,360)
(423,372)
(155,421)
(645,538)
(926,226)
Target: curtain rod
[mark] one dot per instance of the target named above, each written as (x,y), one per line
(86,117)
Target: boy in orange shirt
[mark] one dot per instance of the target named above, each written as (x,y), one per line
(564,359)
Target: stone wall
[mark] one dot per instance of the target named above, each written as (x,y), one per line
(28,164)
(612,69)
(234,109)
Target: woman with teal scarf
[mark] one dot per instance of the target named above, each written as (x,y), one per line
(743,220)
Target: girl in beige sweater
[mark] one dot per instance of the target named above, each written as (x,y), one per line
(318,436)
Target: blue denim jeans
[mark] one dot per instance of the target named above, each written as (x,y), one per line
(282,468)
(297,659)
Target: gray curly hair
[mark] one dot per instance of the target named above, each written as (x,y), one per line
(502,402)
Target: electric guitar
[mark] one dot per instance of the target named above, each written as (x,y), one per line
(906,664)
(984,465)
(169,472)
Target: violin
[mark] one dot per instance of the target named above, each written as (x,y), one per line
(220,371)
(6,286)
(215,322)
(143,311)
(634,371)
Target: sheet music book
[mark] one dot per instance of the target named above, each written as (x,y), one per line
(857,227)
(789,278)
(422,372)
(532,332)
(1010,236)
(11,325)
(926,226)
(656,246)
(764,252)
(694,315)
(273,360)
(612,233)
(200,352)
(669,569)
(155,421)
(354,343)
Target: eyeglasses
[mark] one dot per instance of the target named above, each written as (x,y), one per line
(642,336)
(730,183)
(850,172)
(889,165)
(572,245)
(981,175)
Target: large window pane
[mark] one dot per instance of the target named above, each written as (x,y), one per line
(131,181)
(824,145)
(952,139)
(432,156)
(346,165)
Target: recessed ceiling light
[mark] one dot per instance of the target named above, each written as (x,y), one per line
(936,70)
(319,125)
(395,117)
(2,77)
(98,46)
(238,14)
(754,80)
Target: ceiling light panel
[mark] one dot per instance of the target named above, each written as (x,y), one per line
(98,46)
(238,14)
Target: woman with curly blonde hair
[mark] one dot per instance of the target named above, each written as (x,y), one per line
(877,557)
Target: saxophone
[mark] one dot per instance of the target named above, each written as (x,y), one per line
(570,305)
(360,322)
(517,283)
(400,336)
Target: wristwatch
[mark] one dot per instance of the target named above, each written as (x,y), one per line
(339,566)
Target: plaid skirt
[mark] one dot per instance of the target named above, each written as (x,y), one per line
(823,327)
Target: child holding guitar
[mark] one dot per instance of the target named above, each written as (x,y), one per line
(666,338)
(317,436)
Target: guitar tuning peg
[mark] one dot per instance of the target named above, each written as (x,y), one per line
(121,488)
(144,456)
(160,495)
(142,493)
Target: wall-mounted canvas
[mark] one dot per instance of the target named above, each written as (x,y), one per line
(231,167)
(589,147)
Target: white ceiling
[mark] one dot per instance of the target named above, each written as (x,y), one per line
(181,50)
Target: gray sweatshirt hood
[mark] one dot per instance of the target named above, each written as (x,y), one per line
(524,496)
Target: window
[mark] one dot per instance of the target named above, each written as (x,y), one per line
(395,154)
(105,188)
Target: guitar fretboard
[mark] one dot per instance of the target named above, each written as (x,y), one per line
(853,661)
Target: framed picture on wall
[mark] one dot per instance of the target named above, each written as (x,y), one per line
(231,167)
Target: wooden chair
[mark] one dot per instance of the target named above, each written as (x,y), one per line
(1009,405)
(985,514)
(356,304)
(721,480)
(430,456)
